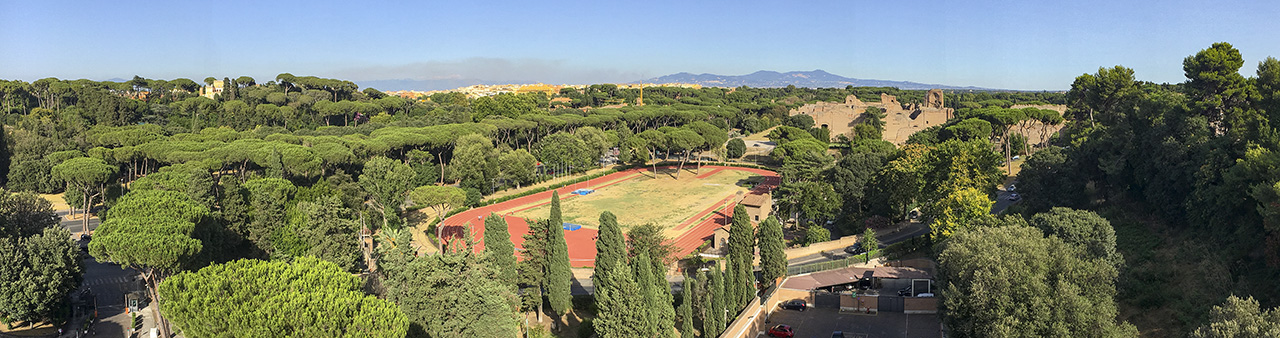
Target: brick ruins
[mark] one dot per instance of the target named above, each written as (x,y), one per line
(900,121)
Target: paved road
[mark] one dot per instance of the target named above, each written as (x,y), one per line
(107,284)
(1002,202)
(76,226)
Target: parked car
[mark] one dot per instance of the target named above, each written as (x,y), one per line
(781,331)
(1014,197)
(905,292)
(855,249)
(837,334)
(794,304)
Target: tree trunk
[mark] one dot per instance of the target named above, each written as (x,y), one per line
(681,166)
(153,282)
(1008,157)
(698,164)
(655,163)
(440,157)
(84,221)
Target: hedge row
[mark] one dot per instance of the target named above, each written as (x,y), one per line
(550,187)
(722,164)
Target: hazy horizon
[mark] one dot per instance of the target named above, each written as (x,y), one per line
(1004,45)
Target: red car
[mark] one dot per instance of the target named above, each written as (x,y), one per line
(781,331)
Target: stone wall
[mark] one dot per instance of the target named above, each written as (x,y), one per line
(916,305)
(869,304)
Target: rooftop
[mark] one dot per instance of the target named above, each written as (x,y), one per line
(755,200)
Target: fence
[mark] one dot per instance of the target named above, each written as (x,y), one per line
(830,265)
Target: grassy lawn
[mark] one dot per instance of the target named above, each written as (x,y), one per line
(664,201)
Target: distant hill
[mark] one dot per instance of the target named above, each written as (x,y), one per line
(810,79)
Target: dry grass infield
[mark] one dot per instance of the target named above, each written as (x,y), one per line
(643,199)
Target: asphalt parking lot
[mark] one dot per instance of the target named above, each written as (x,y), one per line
(821,322)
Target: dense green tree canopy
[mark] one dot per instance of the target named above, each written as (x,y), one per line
(1240,317)
(440,198)
(1082,228)
(149,228)
(956,211)
(39,271)
(24,214)
(1011,281)
(251,298)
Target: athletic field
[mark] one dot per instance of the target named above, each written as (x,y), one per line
(690,208)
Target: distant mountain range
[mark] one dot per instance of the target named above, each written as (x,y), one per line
(760,79)
(810,79)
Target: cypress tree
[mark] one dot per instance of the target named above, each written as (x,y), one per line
(648,313)
(611,248)
(498,249)
(686,311)
(619,305)
(717,310)
(738,284)
(533,269)
(559,277)
(664,309)
(773,261)
(704,307)
(556,220)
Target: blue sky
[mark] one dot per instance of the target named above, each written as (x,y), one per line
(995,44)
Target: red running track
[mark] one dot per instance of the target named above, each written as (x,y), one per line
(582,242)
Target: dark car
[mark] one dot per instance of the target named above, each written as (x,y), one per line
(837,334)
(1014,197)
(855,249)
(781,331)
(794,304)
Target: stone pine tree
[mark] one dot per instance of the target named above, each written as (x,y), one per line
(716,314)
(89,175)
(559,277)
(253,298)
(773,260)
(739,285)
(686,310)
(150,231)
(533,269)
(498,249)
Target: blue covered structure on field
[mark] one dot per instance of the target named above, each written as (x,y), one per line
(581,192)
(572,227)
